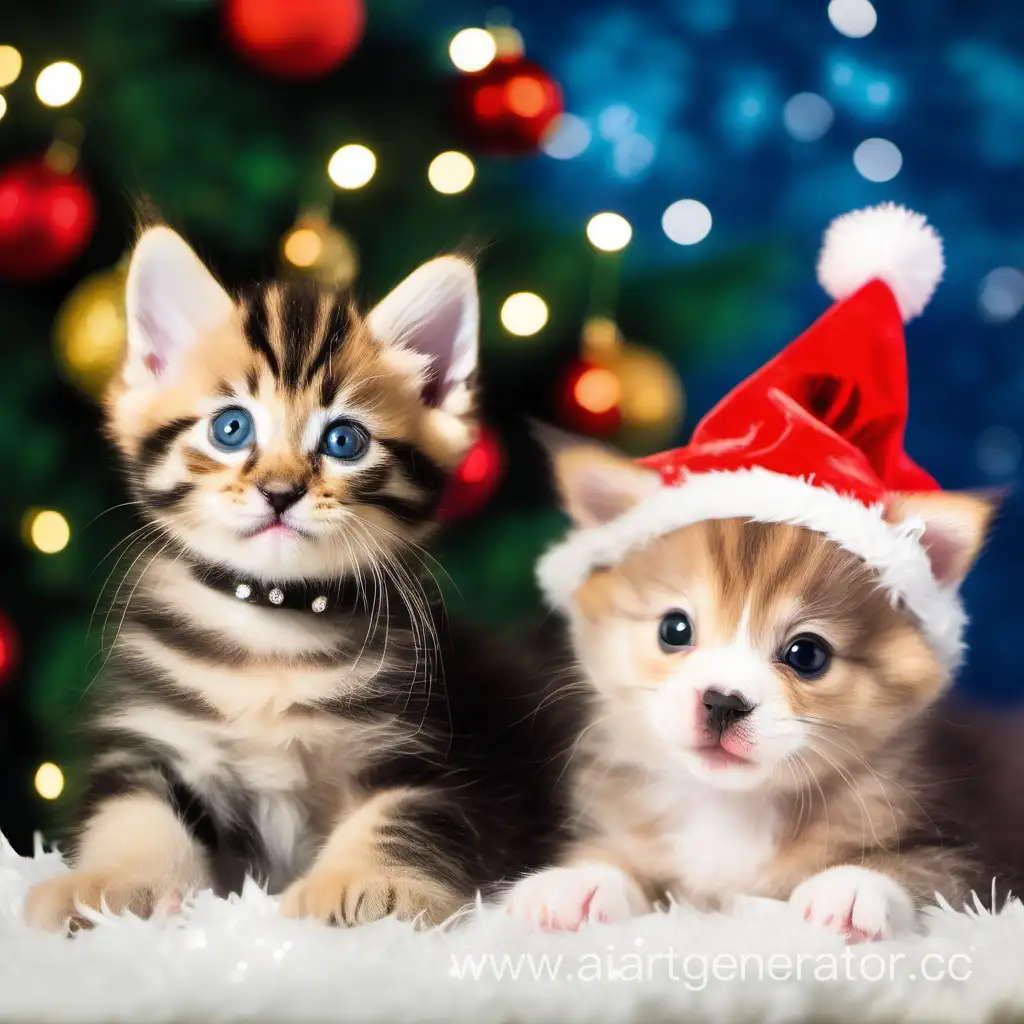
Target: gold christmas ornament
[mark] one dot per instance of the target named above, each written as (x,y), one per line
(91,330)
(313,247)
(652,394)
(651,400)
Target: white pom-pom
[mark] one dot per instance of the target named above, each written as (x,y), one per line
(887,242)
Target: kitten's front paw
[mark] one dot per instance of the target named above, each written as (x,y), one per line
(562,899)
(349,898)
(54,904)
(859,904)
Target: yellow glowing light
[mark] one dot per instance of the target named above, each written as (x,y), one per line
(472,49)
(49,532)
(597,390)
(524,313)
(58,83)
(609,232)
(10,65)
(49,781)
(302,248)
(601,338)
(3,106)
(352,166)
(451,172)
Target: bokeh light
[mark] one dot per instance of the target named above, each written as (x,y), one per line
(472,49)
(10,66)
(568,136)
(49,781)
(617,122)
(525,96)
(49,532)
(853,18)
(3,106)
(524,313)
(998,452)
(609,232)
(598,390)
(879,93)
(632,156)
(352,166)
(807,116)
(878,159)
(302,247)
(451,172)
(58,84)
(1001,295)
(686,222)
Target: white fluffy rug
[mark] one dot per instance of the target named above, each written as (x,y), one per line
(235,960)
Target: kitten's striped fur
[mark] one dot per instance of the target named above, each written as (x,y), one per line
(366,760)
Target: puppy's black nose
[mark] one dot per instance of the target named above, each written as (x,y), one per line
(280,499)
(724,709)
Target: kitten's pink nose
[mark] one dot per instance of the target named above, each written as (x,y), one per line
(281,498)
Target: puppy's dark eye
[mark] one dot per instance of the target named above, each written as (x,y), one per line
(675,631)
(808,656)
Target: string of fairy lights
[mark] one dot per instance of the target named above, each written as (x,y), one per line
(90,330)
(614,381)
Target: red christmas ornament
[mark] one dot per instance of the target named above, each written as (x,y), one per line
(9,648)
(506,108)
(473,484)
(46,219)
(295,39)
(589,399)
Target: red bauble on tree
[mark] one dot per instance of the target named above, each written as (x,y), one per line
(506,108)
(9,648)
(473,484)
(589,399)
(46,219)
(295,39)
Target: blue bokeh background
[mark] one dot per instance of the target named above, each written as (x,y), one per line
(686,99)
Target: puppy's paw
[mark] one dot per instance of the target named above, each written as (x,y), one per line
(563,899)
(351,898)
(859,904)
(55,904)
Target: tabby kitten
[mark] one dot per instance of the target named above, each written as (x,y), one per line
(766,721)
(284,695)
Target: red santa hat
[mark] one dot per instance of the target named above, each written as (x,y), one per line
(814,438)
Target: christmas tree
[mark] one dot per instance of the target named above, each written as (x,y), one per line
(319,137)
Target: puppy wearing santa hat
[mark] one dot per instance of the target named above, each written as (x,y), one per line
(767,619)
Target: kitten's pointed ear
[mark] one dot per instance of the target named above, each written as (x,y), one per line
(171,300)
(596,484)
(955,526)
(435,314)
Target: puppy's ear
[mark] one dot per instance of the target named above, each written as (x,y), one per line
(595,483)
(956,524)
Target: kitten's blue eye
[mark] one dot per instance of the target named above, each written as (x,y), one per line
(231,429)
(675,631)
(346,440)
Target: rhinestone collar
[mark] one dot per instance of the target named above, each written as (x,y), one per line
(316,596)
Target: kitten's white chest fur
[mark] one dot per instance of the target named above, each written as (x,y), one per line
(721,844)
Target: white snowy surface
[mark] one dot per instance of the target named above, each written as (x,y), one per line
(237,960)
